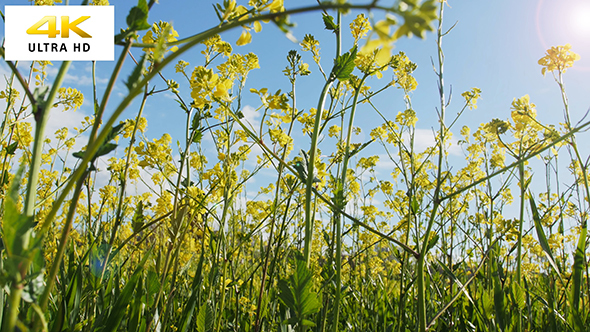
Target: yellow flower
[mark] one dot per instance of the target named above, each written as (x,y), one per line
(70,98)
(558,58)
(46,2)
(334,131)
(471,97)
(222,89)
(359,27)
(407,118)
(309,43)
(245,38)
(276,6)
(161,34)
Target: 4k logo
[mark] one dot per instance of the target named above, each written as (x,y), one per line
(61,33)
(66,26)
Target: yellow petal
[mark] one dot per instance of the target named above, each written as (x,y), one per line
(257,26)
(245,38)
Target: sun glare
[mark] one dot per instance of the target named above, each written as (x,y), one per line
(581,19)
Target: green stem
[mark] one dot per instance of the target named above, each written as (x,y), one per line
(423,249)
(342,204)
(41,117)
(123,179)
(327,201)
(310,171)
(94,145)
(537,152)
(522,181)
(50,280)
(581,246)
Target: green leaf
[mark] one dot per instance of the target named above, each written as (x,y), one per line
(187,313)
(79,154)
(137,17)
(360,148)
(432,242)
(119,309)
(579,259)
(417,19)
(300,170)
(541,235)
(519,296)
(138,219)
(105,149)
(414,206)
(152,286)
(205,318)
(344,65)
(499,301)
(136,308)
(135,76)
(197,136)
(329,23)
(196,121)
(115,130)
(487,305)
(296,294)
(16,227)
(11,148)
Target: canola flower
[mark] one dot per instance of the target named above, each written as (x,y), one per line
(219,237)
(558,58)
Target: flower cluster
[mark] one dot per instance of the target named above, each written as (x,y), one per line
(558,58)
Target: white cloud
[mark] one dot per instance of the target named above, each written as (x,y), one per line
(251,117)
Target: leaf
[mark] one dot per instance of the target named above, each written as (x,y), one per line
(135,308)
(414,206)
(541,235)
(579,259)
(197,136)
(16,227)
(119,309)
(454,278)
(360,148)
(152,285)
(499,301)
(487,305)
(79,154)
(187,313)
(136,74)
(205,318)
(344,65)
(296,293)
(105,149)
(115,130)
(432,242)
(137,17)
(11,148)
(519,295)
(329,23)
(138,218)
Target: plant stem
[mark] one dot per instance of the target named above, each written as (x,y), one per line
(41,117)
(423,249)
(310,173)
(342,205)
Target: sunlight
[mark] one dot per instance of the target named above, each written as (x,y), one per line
(580,19)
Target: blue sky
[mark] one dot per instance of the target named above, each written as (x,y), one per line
(494,46)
